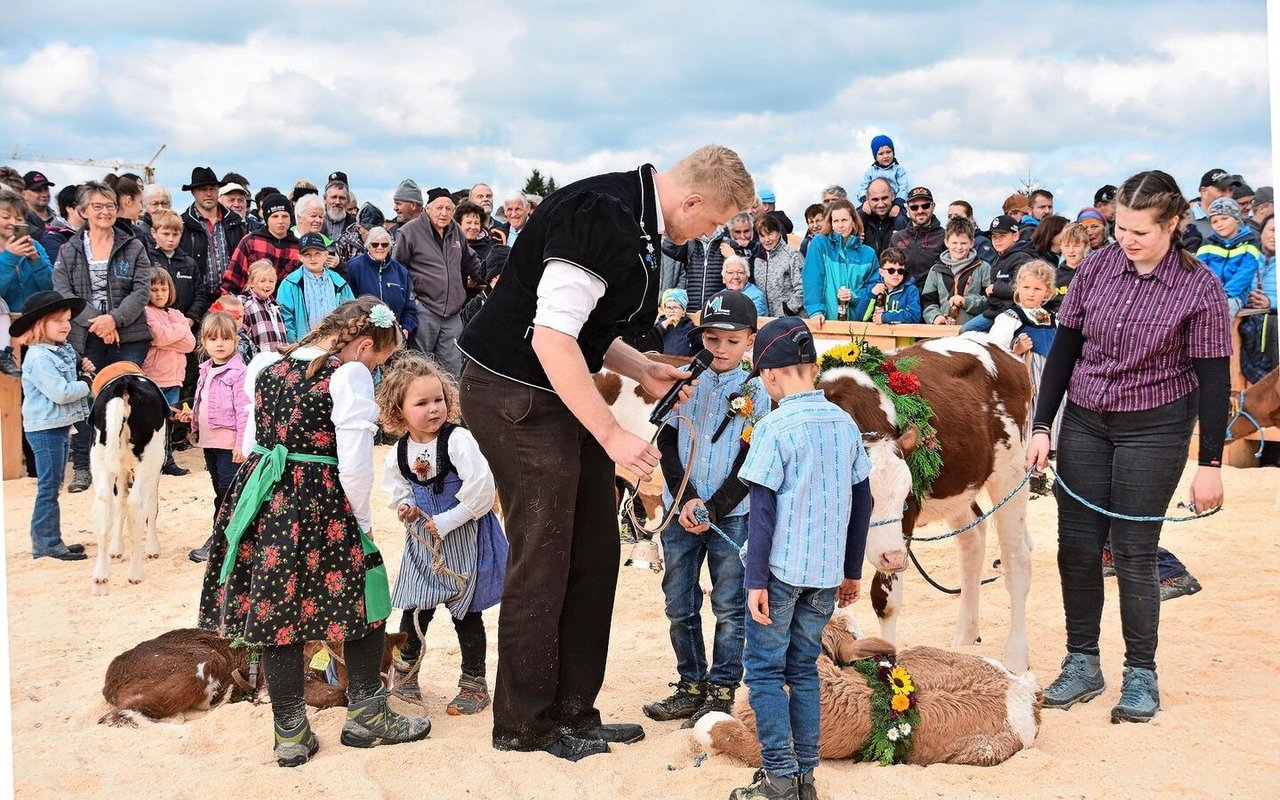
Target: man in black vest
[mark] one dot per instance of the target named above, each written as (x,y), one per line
(583,272)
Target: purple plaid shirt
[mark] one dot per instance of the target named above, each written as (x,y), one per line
(1141,332)
(264,322)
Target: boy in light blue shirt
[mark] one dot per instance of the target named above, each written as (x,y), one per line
(810,507)
(724,404)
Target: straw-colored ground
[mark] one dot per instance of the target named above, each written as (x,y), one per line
(1215,738)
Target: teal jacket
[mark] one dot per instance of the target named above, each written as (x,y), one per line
(21,277)
(832,262)
(293,306)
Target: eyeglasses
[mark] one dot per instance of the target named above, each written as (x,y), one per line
(893,271)
(919,206)
(379,244)
(102,206)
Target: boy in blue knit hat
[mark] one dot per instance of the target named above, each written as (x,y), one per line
(810,500)
(885,165)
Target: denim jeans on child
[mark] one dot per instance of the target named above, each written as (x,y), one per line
(980,323)
(786,652)
(221,471)
(51,449)
(683,554)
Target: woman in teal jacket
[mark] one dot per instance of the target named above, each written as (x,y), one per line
(837,264)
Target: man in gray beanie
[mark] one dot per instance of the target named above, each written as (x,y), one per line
(408,204)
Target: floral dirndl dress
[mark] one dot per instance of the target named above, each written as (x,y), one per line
(300,567)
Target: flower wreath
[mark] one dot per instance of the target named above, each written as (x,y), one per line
(896,378)
(894,716)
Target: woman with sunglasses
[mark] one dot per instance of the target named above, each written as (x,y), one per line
(376,273)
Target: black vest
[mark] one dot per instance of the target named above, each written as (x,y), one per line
(608,226)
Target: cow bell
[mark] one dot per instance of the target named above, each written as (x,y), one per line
(645,555)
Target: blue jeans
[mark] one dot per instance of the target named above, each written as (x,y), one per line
(51,449)
(786,652)
(221,471)
(683,554)
(102,355)
(981,323)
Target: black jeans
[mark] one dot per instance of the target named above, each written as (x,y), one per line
(471,638)
(102,355)
(556,485)
(1128,463)
(222,470)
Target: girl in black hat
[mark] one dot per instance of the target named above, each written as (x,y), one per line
(53,399)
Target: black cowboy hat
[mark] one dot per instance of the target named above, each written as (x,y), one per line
(202,176)
(41,305)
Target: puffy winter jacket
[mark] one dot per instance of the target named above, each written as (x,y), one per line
(1235,262)
(832,262)
(128,286)
(922,244)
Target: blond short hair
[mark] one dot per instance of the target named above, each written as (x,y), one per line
(1075,232)
(1040,271)
(718,172)
(260,266)
(166,219)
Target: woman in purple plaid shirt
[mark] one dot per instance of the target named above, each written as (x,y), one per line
(1141,354)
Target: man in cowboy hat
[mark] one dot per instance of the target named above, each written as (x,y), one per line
(210,232)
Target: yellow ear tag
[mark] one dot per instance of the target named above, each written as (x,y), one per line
(320,660)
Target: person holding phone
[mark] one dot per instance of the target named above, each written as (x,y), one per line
(24,270)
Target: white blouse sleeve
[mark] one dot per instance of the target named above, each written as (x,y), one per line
(475,496)
(258,364)
(354,420)
(1003,328)
(393,483)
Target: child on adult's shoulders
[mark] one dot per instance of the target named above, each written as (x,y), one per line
(885,165)
(891,298)
(674,325)
(1231,252)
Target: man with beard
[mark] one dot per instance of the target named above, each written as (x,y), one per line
(880,224)
(35,190)
(274,241)
(336,218)
(482,195)
(923,239)
(210,232)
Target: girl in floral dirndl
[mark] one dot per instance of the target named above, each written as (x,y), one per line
(442,489)
(291,558)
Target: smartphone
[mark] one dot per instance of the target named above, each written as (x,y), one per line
(20,229)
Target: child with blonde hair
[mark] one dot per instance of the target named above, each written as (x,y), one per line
(263,318)
(171,340)
(441,488)
(1075,246)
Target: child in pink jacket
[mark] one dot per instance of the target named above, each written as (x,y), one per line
(171,340)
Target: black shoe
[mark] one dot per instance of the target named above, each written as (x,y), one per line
(76,548)
(682,704)
(171,468)
(767,786)
(7,365)
(719,698)
(199,555)
(80,480)
(67,555)
(571,748)
(620,733)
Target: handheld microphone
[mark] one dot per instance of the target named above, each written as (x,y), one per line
(699,365)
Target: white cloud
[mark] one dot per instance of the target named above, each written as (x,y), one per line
(52,79)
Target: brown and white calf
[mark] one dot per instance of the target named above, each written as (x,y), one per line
(1262,402)
(981,399)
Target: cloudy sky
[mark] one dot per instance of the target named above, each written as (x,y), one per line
(979,97)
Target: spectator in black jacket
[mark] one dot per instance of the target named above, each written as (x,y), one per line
(769,206)
(191,296)
(1012,252)
(923,240)
(210,232)
(881,223)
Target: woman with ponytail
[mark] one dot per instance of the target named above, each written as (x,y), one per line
(291,558)
(1141,355)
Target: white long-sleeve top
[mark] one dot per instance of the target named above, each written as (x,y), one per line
(475,496)
(355,416)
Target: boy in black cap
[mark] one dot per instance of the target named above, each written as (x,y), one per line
(810,507)
(725,404)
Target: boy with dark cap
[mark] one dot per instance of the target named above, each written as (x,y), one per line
(724,405)
(810,495)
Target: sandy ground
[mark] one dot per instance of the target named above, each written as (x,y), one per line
(1216,736)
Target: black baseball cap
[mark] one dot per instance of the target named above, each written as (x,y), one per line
(36,180)
(728,310)
(783,343)
(311,241)
(339,176)
(920,193)
(1004,224)
(1220,178)
(1107,194)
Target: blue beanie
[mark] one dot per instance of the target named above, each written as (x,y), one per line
(881,141)
(677,294)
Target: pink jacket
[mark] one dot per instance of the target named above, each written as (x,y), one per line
(223,391)
(171,340)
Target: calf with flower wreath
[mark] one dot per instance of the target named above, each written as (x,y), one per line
(918,706)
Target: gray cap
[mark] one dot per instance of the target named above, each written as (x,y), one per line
(408,191)
(1265,194)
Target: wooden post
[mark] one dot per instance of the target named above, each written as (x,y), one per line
(11,427)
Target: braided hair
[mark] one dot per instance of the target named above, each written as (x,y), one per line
(1157,191)
(345,324)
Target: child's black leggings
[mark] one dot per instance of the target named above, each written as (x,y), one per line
(471,638)
(283,667)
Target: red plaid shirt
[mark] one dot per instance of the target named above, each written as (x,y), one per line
(264,322)
(282,253)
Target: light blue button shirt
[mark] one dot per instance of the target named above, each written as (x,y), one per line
(809,452)
(706,408)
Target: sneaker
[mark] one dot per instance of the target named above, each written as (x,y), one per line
(1108,565)
(8,365)
(171,468)
(571,748)
(80,480)
(1139,696)
(719,698)
(766,785)
(473,696)
(805,786)
(1079,682)
(687,698)
(405,681)
(1178,585)
(371,722)
(295,747)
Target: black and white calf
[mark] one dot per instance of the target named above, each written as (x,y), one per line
(128,420)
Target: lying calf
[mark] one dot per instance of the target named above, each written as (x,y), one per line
(972,710)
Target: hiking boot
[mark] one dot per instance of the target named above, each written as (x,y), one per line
(682,704)
(371,722)
(805,787)
(1178,585)
(1108,565)
(405,681)
(1139,696)
(1079,682)
(295,747)
(80,480)
(767,786)
(473,696)
(719,698)
(7,364)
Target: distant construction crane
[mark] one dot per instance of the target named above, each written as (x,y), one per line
(113,164)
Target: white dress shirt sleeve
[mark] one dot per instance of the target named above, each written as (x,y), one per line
(475,496)
(566,297)
(260,362)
